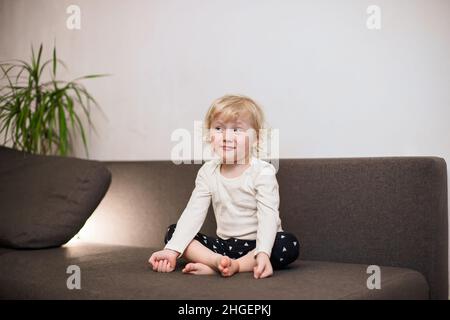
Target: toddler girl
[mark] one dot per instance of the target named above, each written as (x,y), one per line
(245,198)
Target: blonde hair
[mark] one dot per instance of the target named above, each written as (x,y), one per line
(231,107)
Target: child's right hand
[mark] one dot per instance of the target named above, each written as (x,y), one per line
(164,260)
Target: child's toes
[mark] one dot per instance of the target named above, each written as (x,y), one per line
(225,262)
(188,268)
(194,268)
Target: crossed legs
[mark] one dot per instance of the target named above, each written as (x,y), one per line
(203,261)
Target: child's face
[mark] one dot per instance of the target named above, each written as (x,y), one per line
(232,140)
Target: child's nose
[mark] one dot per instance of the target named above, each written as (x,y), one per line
(228,135)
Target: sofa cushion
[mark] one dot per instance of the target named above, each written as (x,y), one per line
(117,272)
(45,200)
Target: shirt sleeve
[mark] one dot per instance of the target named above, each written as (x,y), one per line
(193,216)
(268,201)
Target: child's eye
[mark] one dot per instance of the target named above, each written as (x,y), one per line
(238,129)
(218,128)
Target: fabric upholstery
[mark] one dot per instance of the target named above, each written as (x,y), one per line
(45,200)
(347,213)
(117,272)
(389,211)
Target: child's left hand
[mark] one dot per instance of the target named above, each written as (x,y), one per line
(263,268)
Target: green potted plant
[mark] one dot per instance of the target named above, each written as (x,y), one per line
(39,115)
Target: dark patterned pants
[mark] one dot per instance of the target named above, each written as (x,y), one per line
(285,249)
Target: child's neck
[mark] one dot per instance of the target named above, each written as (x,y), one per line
(234,169)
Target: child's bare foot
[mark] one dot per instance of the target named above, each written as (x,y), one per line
(227,266)
(198,269)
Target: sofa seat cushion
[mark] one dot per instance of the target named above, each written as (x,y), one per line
(118,272)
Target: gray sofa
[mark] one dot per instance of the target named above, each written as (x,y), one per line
(348,213)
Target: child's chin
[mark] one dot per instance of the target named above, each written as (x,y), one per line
(230,158)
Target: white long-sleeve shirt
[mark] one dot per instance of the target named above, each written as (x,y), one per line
(245,207)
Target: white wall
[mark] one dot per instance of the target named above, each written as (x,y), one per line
(333,87)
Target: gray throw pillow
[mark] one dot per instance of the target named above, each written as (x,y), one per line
(45,200)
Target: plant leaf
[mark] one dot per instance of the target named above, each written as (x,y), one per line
(62,130)
(54,61)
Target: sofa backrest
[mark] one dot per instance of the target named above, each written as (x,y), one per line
(389,211)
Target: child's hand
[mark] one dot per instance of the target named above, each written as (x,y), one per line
(263,268)
(164,260)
